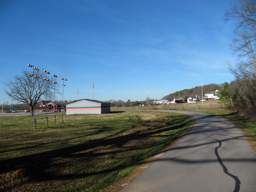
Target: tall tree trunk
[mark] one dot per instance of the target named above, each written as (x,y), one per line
(32,110)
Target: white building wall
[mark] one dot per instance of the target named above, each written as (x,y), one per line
(83,112)
(83,107)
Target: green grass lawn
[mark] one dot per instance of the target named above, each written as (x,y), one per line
(210,107)
(85,153)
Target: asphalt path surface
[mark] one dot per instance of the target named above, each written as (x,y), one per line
(214,156)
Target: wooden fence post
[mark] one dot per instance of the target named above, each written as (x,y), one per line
(62,118)
(47,122)
(55,119)
(34,122)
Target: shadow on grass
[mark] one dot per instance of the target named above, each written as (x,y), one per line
(117,112)
(96,158)
(123,149)
(90,132)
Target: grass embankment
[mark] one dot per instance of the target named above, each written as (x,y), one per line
(248,125)
(244,122)
(85,153)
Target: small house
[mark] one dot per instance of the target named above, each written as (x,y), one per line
(87,106)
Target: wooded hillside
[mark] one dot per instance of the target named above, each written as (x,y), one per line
(193,92)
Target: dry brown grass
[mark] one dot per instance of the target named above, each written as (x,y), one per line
(87,153)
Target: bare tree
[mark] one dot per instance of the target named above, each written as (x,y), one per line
(245,16)
(30,87)
(244,88)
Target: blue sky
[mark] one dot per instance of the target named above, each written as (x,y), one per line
(130,49)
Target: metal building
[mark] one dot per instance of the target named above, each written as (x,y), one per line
(87,106)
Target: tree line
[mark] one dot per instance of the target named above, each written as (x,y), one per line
(241,93)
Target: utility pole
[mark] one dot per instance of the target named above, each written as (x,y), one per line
(93,87)
(202,93)
(77,93)
(64,81)
(55,84)
(2,107)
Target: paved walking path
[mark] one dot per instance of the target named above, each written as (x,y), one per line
(214,156)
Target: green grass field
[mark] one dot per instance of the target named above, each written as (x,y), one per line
(85,153)
(210,107)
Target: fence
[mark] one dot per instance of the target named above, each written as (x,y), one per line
(36,122)
(47,121)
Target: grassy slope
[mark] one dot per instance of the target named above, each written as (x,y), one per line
(86,153)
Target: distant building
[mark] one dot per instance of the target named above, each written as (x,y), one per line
(177,100)
(173,101)
(161,102)
(211,96)
(87,106)
(49,106)
(191,100)
(180,100)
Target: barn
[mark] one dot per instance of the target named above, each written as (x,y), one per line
(87,106)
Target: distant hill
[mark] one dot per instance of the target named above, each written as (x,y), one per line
(196,91)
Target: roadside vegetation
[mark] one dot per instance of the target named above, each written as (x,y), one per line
(85,153)
(244,122)
(241,93)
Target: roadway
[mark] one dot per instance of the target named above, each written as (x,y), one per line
(214,156)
